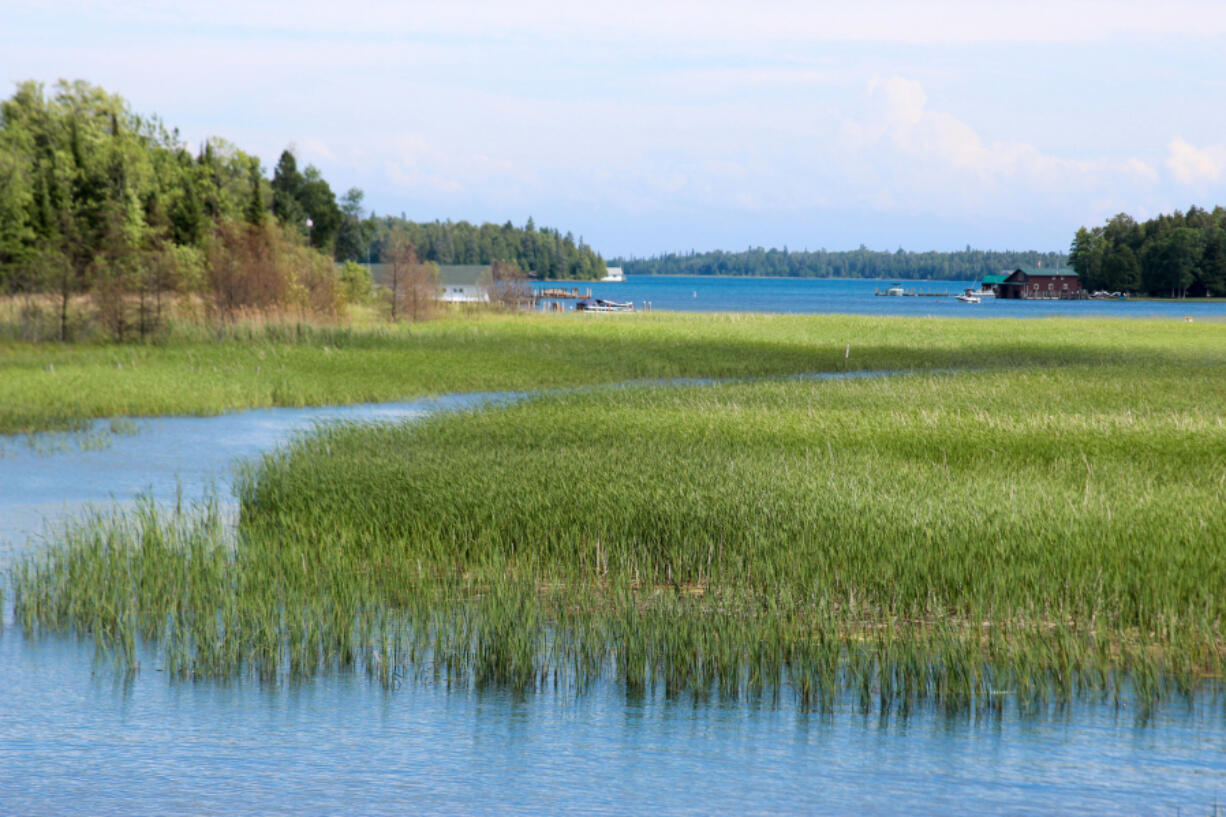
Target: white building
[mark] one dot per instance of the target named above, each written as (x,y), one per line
(457,283)
(463,283)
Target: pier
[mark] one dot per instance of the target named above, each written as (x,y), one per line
(561,294)
(550,298)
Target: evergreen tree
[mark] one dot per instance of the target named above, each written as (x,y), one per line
(353,237)
(319,204)
(287,192)
(255,203)
(1122,270)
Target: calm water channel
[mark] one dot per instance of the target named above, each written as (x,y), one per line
(75,739)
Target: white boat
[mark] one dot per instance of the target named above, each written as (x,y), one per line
(602,305)
(895,289)
(982,293)
(968,297)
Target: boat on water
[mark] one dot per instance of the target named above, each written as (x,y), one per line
(899,290)
(602,305)
(969,297)
(983,292)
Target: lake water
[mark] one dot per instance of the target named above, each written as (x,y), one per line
(76,739)
(842,296)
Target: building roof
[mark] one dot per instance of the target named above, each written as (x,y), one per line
(1047,272)
(460,274)
(448,274)
(995,279)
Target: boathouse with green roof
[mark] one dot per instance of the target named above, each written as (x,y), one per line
(992,282)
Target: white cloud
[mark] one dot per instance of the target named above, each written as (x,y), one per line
(900,121)
(1192,165)
(1139,170)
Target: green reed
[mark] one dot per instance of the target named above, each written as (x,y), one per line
(57,386)
(1022,538)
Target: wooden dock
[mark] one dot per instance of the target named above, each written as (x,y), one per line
(560,294)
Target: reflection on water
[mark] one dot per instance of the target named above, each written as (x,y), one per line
(75,742)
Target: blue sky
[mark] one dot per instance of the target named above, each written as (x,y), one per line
(655,126)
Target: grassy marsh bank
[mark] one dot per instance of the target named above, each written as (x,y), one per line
(55,386)
(979,540)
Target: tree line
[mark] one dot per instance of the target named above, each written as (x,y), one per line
(960,265)
(541,253)
(99,202)
(1177,255)
(115,217)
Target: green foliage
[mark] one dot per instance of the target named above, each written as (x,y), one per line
(356,282)
(545,253)
(1177,255)
(287,185)
(254,212)
(353,236)
(319,204)
(97,201)
(962,265)
(294,364)
(305,202)
(101,205)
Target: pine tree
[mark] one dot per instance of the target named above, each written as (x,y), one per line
(255,204)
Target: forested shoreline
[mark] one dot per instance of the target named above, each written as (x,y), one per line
(1182,254)
(110,223)
(541,253)
(1176,255)
(960,265)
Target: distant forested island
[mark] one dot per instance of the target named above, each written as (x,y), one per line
(1176,255)
(542,253)
(960,265)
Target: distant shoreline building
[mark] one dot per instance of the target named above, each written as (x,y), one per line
(1037,283)
(992,283)
(464,283)
(457,283)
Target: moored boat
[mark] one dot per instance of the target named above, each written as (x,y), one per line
(602,305)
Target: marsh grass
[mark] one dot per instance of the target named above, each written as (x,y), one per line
(197,370)
(970,542)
